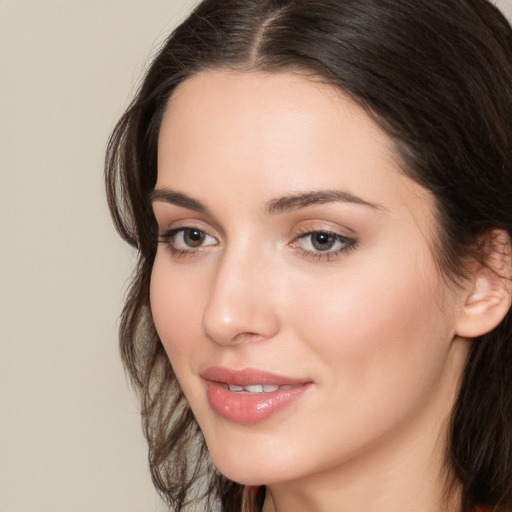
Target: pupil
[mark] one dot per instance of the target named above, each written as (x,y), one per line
(194,237)
(322,241)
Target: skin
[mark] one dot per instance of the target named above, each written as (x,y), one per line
(373,327)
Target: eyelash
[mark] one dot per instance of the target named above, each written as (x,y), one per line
(347,243)
(167,238)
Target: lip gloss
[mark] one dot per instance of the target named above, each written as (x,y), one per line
(242,406)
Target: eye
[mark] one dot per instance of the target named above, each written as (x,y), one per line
(186,240)
(321,245)
(191,237)
(321,241)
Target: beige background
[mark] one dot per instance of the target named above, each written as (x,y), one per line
(70,437)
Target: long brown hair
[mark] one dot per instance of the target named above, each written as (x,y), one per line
(436,75)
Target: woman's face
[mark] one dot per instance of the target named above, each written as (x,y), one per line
(294,288)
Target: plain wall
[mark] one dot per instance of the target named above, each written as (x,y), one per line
(70,436)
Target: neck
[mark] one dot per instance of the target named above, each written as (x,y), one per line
(406,470)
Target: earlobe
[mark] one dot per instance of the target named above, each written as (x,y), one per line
(489,297)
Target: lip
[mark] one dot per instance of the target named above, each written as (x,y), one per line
(254,407)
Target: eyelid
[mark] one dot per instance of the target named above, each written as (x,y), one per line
(319,226)
(168,216)
(335,234)
(166,238)
(167,235)
(348,243)
(166,224)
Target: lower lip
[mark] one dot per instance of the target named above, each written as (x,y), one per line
(250,408)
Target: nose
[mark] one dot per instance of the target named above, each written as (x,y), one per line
(241,305)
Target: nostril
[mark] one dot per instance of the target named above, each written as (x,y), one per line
(245,337)
(241,328)
(237,311)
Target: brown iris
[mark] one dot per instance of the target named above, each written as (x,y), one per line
(322,241)
(193,237)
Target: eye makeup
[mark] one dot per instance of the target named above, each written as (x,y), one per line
(322,244)
(316,244)
(186,240)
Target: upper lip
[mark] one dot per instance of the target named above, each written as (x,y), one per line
(247,377)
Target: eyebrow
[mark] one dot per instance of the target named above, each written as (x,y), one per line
(293,202)
(282,204)
(170,196)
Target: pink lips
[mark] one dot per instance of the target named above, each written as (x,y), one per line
(267,393)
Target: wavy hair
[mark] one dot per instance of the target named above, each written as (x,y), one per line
(436,75)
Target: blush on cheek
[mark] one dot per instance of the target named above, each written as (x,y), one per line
(176,306)
(358,321)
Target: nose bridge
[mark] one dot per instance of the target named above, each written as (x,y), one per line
(240,305)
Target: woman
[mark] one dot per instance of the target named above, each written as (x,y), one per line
(319,193)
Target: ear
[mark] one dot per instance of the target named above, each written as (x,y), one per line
(489,291)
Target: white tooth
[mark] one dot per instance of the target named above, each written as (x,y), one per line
(267,388)
(255,388)
(232,387)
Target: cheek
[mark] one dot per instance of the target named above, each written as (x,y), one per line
(176,307)
(380,345)
(375,325)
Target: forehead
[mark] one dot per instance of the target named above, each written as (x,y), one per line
(276,107)
(264,135)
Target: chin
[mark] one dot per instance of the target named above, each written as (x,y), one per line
(250,465)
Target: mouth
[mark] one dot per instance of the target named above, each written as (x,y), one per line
(249,377)
(250,396)
(257,388)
